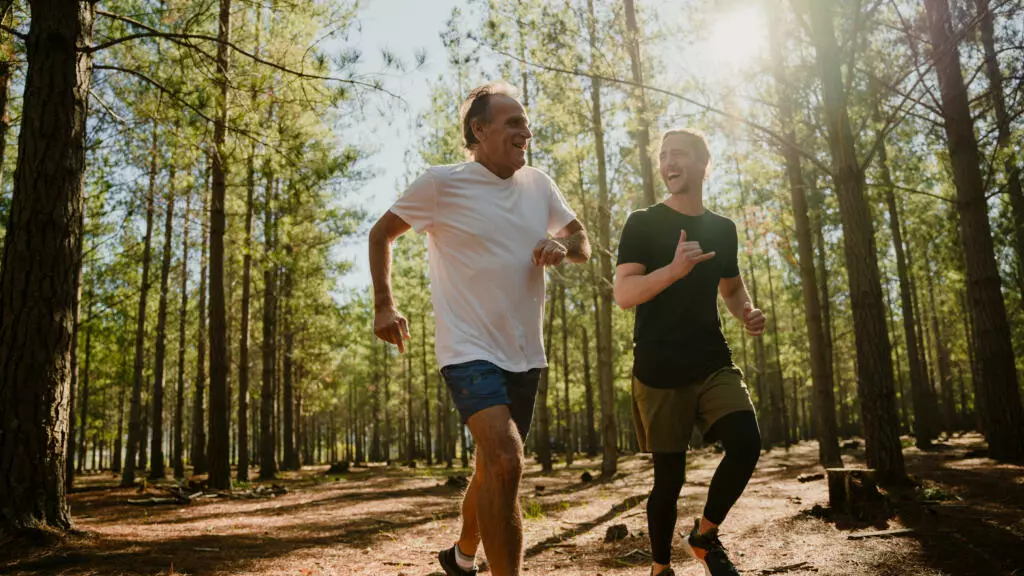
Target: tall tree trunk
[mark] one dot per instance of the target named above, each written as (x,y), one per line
(642,135)
(823,400)
(822,268)
(157,471)
(778,394)
(410,445)
(199,442)
(69,466)
(874,357)
(291,456)
(589,388)
(268,442)
(1002,403)
(134,412)
(569,446)
(115,466)
(218,453)
(426,387)
(1004,141)
(766,410)
(243,340)
(942,359)
(143,460)
(388,439)
(542,440)
(84,419)
(7,68)
(606,383)
(178,457)
(923,428)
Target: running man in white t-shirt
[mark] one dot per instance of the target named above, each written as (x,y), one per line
(492,225)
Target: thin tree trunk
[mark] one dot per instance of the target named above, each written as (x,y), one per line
(1004,417)
(268,460)
(218,453)
(426,388)
(410,449)
(178,458)
(157,470)
(766,410)
(291,455)
(199,442)
(591,432)
(69,469)
(778,393)
(923,429)
(823,400)
(874,358)
(84,420)
(542,440)
(116,464)
(243,340)
(134,413)
(1003,125)
(565,379)
(942,359)
(7,68)
(642,134)
(609,461)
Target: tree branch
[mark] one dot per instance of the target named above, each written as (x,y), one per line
(914,191)
(764,130)
(154,33)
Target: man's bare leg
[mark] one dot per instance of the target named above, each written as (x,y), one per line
(469,538)
(499,468)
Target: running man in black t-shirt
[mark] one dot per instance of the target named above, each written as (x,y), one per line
(675,258)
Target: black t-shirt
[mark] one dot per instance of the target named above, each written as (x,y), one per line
(678,335)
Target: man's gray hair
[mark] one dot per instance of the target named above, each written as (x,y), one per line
(477,106)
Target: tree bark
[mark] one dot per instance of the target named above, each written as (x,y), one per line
(823,399)
(426,387)
(268,442)
(642,134)
(178,457)
(157,470)
(874,355)
(218,453)
(609,460)
(134,411)
(542,439)
(243,340)
(569,446)
(1004,417)
(589,388)
(291,456)
(1003,121)
(84,419)
(199,442)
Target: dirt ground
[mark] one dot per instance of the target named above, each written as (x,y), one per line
(967,518)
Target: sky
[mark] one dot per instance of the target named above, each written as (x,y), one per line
(402,27)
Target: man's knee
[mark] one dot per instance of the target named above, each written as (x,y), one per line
(505,462)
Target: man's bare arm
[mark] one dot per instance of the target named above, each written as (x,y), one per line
(576,242)
(388,324)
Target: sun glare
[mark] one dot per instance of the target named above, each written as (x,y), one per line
(737,37)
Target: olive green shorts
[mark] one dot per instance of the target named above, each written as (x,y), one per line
(664,417)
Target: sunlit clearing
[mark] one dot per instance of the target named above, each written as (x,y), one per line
(737,37)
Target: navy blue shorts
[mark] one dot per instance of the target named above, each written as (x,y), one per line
(480,384)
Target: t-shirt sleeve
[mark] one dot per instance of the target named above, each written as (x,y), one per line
(731,267)
(631,242)
(418,204)
(559,212)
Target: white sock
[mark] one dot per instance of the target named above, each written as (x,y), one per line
(464,562)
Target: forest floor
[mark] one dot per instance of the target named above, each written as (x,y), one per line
(966,517)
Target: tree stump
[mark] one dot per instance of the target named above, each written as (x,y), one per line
(853,491)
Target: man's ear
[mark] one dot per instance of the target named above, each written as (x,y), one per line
(478,126)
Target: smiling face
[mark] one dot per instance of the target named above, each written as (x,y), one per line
(682,163)
(503,139)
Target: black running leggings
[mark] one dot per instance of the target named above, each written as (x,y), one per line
(739,435)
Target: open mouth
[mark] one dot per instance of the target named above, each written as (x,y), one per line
(520,145)
(673,176)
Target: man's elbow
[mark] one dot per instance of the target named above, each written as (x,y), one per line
(621,300)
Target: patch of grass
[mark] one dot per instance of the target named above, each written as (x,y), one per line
(931,491)
(533,510)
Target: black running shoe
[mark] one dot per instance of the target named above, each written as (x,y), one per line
(708,550)
(451,567)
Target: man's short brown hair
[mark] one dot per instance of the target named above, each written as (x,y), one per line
(477,106)
(699,141)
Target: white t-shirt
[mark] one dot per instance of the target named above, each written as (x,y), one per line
(481,231)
